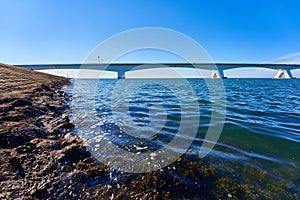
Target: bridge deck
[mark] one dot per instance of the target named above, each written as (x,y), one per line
(121,68)
(118,66)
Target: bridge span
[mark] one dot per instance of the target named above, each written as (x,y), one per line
(217,69)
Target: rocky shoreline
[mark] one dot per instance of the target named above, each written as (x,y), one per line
(38,159)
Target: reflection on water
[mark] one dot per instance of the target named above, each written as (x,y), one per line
(257,153)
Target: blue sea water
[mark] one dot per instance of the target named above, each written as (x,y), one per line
(261,128)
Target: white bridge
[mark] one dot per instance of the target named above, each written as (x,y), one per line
(217,69)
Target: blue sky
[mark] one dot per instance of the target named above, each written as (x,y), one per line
(65,31)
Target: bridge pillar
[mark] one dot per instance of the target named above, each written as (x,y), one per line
(284,74)
(121,74)
(217,73)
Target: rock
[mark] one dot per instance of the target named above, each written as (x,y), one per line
(21,102)
(10,140)
(31,112)
(73,154)
(6,100)
(17,167)
(15,163)
(23,149)
(18,134)
(67,125)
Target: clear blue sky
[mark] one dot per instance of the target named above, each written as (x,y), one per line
(65,31)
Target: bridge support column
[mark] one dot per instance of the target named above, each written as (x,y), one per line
(284,74)
(121,74)
(217,73)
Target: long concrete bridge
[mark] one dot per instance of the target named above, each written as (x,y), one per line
(217,69)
